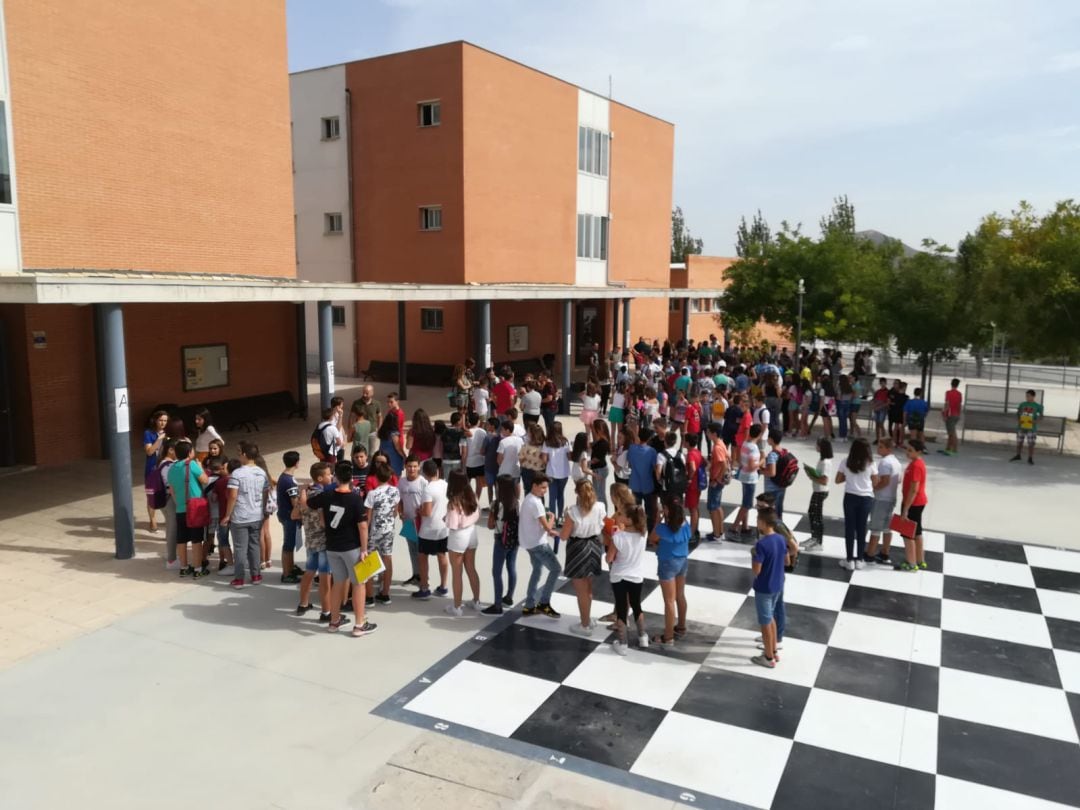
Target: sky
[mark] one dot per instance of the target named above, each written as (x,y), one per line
(927,114)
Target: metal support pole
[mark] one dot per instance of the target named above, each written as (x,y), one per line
(615,324)
(301,361)
(626,323)
(483,334)
(686,320)
(326,354)
(798,327)
(115,403)
(567,354)
(1008,379)
(402,360)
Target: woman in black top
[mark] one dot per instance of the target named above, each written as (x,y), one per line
(598,461)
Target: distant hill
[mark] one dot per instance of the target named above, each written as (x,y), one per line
(879,238)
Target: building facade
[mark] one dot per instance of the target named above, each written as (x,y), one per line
(470,168)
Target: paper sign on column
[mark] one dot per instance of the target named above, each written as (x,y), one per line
(123,410)
(330,376)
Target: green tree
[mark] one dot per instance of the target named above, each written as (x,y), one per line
(752,240)
(683,242)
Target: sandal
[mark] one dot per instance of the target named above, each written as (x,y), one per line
(659,639)
(680,631)
(608,618)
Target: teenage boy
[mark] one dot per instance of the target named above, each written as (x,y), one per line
(749,464)
(951,413)
(168,458)
(186,480)
(433,531)
(393,407)
(359,470)
(880,408)
(507,451)
(772,459)
(411,489)
(767,500)
(535,528)
(337,408)
(475,440)
(897,398)
(377,532)
(886,485)
(915,411)
(1028,414)
(288,498)
(343,513)
(315,544)
(719,475)
(244,514)
(769,556)
(329,436)
(491,456)
(454,445)
(217,494)
(914,488)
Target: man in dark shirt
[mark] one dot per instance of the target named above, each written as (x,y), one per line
(343,509)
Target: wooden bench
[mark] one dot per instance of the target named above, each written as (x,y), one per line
(436,374)
(997,422)
(243,412)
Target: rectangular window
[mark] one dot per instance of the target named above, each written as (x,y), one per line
(331,128)
(582,134)
(337,315)
(428,113)
(431,319)
(593,146)
(716,304)
(431,218)
(604,146)
(332,223)
(581,235)
(5,166)
(693,304)
(592,237)
(603,237)
(673,305)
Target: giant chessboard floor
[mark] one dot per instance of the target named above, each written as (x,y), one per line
(955,687)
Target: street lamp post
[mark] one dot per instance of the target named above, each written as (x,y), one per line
(798,326)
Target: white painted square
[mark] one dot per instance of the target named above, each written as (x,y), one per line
(886,578)
(887,637)
(918,746)
(956,794)
(932,541)
(1059,604)
(1058,559)
(1068,663)
(799,662)
(852,725)
(723,552)
(482,697)
(1017,626)
(816,592)
(567,605)
(748,772)
(708,605)
(1014,705)
(637,677)
(1008,573)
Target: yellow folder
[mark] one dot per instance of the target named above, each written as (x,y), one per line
(368,567)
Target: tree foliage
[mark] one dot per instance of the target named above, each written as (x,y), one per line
(683,242)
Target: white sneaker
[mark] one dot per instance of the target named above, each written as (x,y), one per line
(457,612)
(578,630)
(847,564)
(593,623)
(227,571)
(760,646)
(859,565)
(474,605)
(618,647)
(172,566)
(643,640)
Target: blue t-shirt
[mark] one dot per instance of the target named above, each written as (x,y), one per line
(149,437)
(286,491)
(742,383)
(176,481)
(917,408)
(642,460)
(673,544)
(770,551)
(770,459)
(491,454)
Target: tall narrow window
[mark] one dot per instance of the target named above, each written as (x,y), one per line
(5,166)
(582,134)
(581,235)
(331,128)
(592,237)
(428,113)
(332,223)
(431,218)
(431,319)
(593,150)
(603,237)
(337,315)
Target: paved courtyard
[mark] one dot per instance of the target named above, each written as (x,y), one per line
(144,690)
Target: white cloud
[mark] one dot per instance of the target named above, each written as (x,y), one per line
(1064,62)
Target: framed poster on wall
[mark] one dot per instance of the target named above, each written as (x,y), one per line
(517,338)
(205,366)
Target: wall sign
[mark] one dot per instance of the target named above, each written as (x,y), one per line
(517,338)
(39,340)
(123,410)
(205,366)
(330,376)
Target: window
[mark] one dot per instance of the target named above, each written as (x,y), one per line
(5,170)
(431,218)
(337,315)
(431,319)
(716,304)
(592,236)
(694,304)
(593,150)
(332,223)
(673,305)
(331,128)
(428,113)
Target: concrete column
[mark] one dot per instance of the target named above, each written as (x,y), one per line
(483,334)
(567,353)
(402,363)
(326,354)
(626,323)
(116,404)
(301,361)
(686,319)
(614,324)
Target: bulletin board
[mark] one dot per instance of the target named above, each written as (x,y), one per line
(205,366)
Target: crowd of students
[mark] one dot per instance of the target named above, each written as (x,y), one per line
(661,431)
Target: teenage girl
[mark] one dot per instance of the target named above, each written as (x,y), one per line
(626,557)
(204,434)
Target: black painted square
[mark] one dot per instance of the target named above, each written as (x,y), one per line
(1001,659)
(694,647)
(1010,760)
(1074,707)
(602,588)
(803,622)
(1064,635)
(1053,580)
(719,577)
(595,727)
(531,651)
(816,777)
(891,605)
(987,549)
(875,677)
(820,567)
(771,707)
(992,594)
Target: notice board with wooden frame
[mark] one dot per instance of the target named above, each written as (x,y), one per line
(205,366)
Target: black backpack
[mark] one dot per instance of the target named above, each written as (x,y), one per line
(787,469)
(674,475)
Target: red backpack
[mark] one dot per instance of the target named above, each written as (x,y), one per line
(787,469)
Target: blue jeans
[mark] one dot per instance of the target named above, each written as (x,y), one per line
(600,484)
(294,538)
(648,500)
(856,515)
(504,556)
(542,557)
(843,411)
(778,502)
(526,480)
(556,496)
(770,607)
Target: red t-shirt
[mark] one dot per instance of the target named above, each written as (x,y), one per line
(916,473)
(503,394)
(953,398)
(693,456)
(693,418)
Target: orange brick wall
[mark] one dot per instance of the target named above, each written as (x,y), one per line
(152,135)
(377,333)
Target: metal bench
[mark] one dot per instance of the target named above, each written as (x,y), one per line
(997,422)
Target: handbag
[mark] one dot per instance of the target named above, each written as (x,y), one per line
(198,508)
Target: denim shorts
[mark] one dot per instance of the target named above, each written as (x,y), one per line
(713,498)
(669,569)
(293,535)
(766,606)
(748,491)
(317,561)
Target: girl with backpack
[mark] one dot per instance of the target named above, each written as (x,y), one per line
(777,467)
(581,531)
(503,520)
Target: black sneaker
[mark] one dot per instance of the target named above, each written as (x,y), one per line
(205,569)
(508,601)
(493,610)
(883,560)
(1015,458)
(199,574)
(529,611)
(347,605)
(297,572)
(549,611)
(187,572)
(289,579)
(302,609)
(365,629)
(221,565)
(369,601)
(1031,461)
(382,599)
(413,580)
(324,618)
